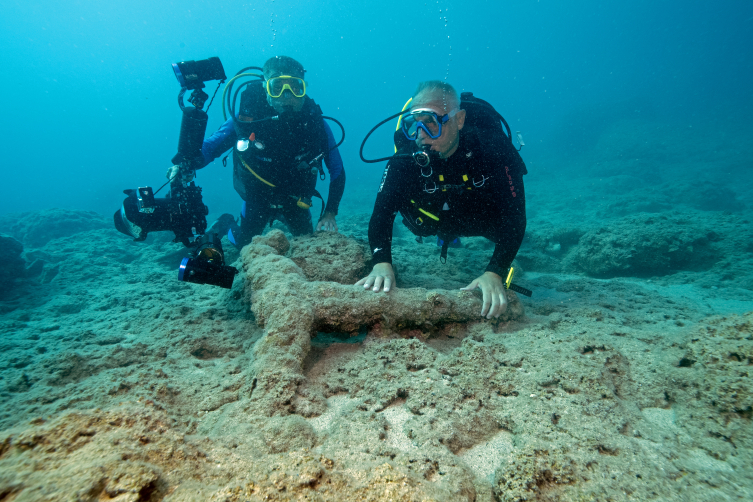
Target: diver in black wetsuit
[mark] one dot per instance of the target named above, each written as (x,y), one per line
(471,187)
(276,163)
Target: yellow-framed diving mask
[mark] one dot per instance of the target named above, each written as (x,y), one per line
(276,86)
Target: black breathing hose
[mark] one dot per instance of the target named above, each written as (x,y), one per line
(363,143)
(341,128)
(235,98)
(230,102)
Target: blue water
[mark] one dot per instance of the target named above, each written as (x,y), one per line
(89,97)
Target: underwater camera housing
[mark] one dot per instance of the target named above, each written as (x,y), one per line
(183,211)
(184,214)
(193,74)
(207,266)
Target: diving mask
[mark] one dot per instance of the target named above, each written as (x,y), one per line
(426,119)
(277,85)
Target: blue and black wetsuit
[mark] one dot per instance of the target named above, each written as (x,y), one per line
(477,191)
(268,175)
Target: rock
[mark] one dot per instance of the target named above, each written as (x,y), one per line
(706,196)
(293,309)
(723,351)
(644,245)
(40,227)
(12,266)
(330,256)
(93,456)
(133,454)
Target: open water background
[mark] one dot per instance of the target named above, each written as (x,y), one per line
(89,96)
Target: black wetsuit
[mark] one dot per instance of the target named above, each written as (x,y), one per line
(477,191)
(277,149)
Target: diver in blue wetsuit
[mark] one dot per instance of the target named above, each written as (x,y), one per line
(279,141)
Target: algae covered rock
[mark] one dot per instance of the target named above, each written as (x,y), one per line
(40,227)
(644,245)
(722,353)
(12,266)
(329,256)
(292,309)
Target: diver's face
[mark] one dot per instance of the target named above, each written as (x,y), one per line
(447,143)
(286,103)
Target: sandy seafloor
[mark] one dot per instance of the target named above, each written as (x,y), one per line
(628,377)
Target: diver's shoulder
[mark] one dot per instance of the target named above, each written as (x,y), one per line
(400,161)
(470,143)
(490,148)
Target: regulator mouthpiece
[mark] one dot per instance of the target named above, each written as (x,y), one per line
(422,158)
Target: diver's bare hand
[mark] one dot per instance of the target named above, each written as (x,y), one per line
(327,222)
(381,275)
(493,291)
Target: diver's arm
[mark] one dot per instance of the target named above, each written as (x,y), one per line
(382,276)
(218,143)
(505,227)
(509,226)
(334,163)
(380,234)
(507,233)
(336,189)
(386,206)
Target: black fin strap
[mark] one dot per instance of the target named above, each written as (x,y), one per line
(443,253)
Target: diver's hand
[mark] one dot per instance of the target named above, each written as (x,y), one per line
(327,222)
(381,274)
(493,291)
(175,175)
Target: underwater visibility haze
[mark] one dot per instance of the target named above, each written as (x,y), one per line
(625,376)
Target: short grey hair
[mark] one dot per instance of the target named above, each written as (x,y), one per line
(437,88)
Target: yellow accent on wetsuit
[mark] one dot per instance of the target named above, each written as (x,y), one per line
(429,214)
(508,281)
(400,118)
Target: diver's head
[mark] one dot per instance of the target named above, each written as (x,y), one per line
(441,102)
(284,84)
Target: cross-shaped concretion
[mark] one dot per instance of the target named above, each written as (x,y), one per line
(292,309)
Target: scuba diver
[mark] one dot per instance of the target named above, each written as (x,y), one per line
(455,173)
(279,141)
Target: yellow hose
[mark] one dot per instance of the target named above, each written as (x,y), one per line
(254,173)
